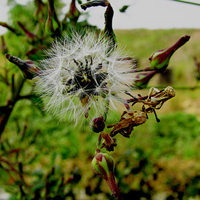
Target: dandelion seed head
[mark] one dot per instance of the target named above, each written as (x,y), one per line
(79,76)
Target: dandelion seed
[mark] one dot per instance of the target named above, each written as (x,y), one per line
(79,76)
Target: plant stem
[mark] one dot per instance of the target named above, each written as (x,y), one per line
(197,4)
(178,88)
(11,103)
(113,187)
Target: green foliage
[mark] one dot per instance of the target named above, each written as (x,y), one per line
(124,8)
(179,131)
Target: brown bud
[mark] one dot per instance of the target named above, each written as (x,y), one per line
(27,67)
(97,124)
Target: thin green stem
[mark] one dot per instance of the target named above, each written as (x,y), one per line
(106,110)
(197,4)
(98,144)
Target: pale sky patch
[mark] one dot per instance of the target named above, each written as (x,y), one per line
(150,14)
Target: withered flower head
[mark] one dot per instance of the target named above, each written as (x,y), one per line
(124,126)
(109,142)
(139,117)
(128,120)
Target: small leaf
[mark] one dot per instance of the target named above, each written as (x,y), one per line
(124,8)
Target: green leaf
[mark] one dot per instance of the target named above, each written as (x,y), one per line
(124,8)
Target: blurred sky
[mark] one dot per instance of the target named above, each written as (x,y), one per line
(150,14)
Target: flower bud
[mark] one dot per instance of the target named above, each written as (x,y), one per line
(27,67)
(103,165)
(53,26)
(142,79)
(160,59)
(97,124)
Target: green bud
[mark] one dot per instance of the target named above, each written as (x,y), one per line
(160,59)
(103,165)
